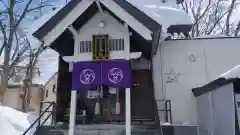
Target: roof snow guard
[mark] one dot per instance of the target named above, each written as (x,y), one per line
(136,19)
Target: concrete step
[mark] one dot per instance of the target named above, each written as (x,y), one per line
(116,129)
(101,129)
(104,132)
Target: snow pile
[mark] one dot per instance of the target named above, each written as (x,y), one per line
(166,14)
(232,73)
(13,122)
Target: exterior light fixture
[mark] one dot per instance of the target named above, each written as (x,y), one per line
(102,24)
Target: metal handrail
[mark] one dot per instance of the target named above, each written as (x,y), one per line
(51,104)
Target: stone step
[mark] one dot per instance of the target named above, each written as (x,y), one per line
(116,129)
(104,132)
(101,129)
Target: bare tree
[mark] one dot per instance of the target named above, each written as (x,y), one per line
(10,20)
(212,17)
(30,71)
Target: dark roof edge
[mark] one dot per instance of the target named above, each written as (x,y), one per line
(146,20)
(51,23)
(212,86)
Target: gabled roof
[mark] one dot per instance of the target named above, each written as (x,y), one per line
(146,30)
(139,15)
(53,21)
(148,22)
(231,76)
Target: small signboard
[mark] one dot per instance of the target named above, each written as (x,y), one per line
(93,94)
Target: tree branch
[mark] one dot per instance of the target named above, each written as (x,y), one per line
(36,8)
(237,29)
(215,23)
(23,13)
(227,22)
(4,37)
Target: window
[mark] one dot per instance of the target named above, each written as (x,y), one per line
(47,93)
(54,88)
(100,47)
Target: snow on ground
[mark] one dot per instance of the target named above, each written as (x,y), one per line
(14,122)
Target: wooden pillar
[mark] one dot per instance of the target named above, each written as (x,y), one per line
(127,90)
(73,103)
(72,114)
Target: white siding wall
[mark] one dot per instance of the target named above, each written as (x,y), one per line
(224,110)
(204,114)
(113,28)
(181,65)
(216,112)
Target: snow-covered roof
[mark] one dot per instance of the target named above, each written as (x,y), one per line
(229,76)
(166,14)
(232,73)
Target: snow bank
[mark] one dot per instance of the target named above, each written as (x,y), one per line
(14,122)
